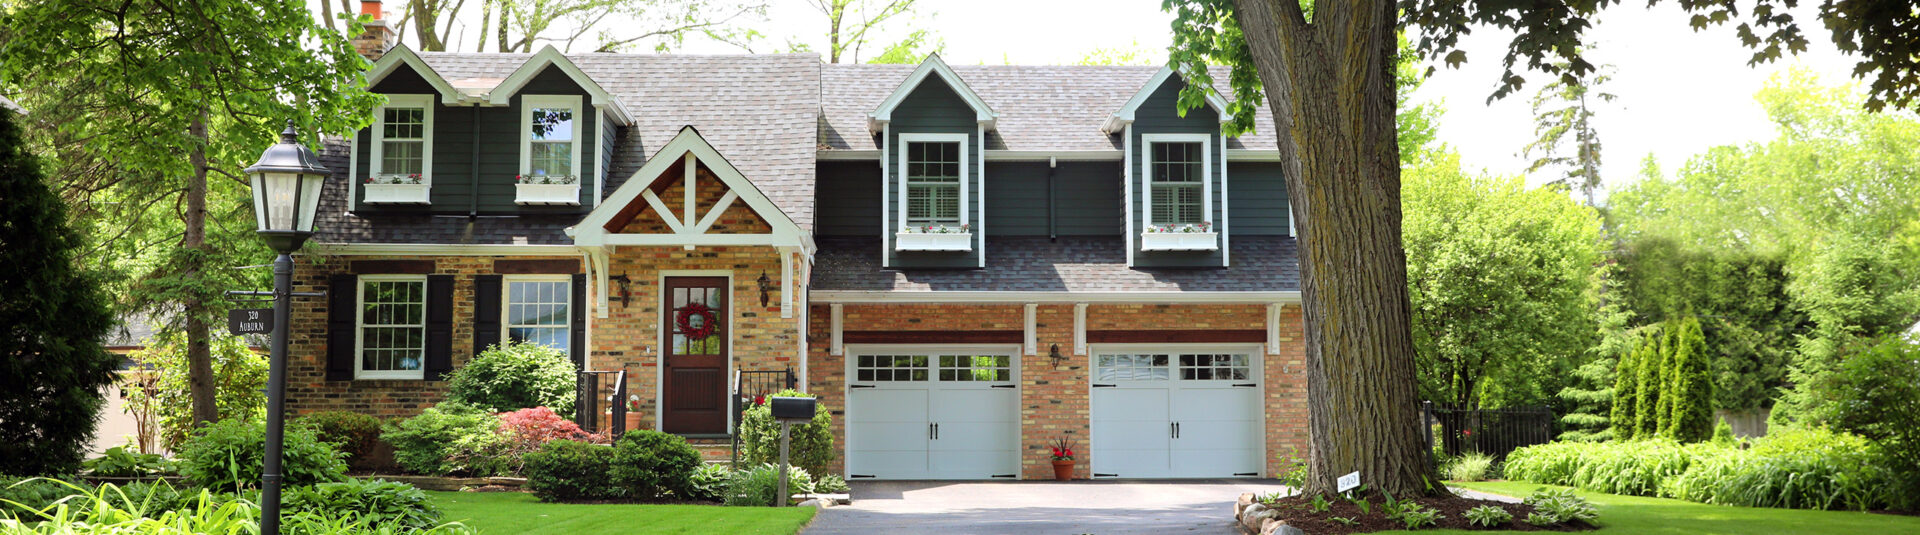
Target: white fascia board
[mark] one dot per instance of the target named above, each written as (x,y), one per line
(437,249)
(402,55)
(883,114)
(1153,297)
(502,95)
(1124,116)
(1253,155)
(591,231)
(992,155)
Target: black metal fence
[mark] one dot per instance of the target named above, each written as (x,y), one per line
(749,387)
(1494,432)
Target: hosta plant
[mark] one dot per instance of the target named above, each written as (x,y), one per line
(1487,516)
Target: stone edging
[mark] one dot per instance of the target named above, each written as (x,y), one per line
(1255,519)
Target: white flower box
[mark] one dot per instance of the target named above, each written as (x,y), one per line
(395,193)
(544,194)
(1179,241)
(930,241)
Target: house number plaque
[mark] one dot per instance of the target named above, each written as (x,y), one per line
(250,321)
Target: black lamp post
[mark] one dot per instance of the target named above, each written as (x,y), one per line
(286,193)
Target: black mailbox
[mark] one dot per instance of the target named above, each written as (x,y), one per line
(792,408)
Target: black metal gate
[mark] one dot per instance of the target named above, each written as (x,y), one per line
(589,399)
(749,387)
(1494,432)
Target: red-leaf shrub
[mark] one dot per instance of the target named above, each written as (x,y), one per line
(526,430)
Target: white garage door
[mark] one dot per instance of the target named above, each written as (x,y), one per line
(1159,414)
(933,414)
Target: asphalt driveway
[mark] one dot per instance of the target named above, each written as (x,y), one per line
(1036,507)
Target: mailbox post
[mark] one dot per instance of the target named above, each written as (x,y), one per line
(787,411)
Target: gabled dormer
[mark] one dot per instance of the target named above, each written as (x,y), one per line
(1176,176)
(932,129)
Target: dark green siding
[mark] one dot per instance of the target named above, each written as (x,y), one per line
(1086,199)
(498,140)
(1258,200)
(847,198)
(609,133)
(934,108)
(1160,115)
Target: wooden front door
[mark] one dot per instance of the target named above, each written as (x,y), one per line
(693,392)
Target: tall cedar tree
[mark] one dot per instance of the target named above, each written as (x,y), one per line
(1328,67)
(1646,422)
(1691,392)
(1672,345)
(1626,392)
(53,370)
(165,96)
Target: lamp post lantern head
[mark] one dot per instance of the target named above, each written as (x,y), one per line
(286,191)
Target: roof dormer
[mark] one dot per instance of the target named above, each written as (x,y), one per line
(402,56)
(933,66)
(502,95)
(1124,116)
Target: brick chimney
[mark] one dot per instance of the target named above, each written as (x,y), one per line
(378,38)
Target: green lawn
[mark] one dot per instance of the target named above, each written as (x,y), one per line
(1633,514)
(513,512)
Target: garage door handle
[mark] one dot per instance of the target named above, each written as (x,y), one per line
(1247,385)
(1173,430)
(1098,385)
(929,431)
(859,386)
(1004,386)
(1176,430)
(936,431)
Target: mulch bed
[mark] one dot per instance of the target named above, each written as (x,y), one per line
(1298,512)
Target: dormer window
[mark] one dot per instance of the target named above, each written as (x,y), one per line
(933,193)
(1179,188)
(550,147)
(401,169)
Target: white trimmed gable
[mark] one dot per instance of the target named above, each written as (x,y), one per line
(401,55)
(932,66)
(502,95)
(1124,116)
(689,228)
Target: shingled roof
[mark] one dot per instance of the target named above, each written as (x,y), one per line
(1260,263)
(1041,108)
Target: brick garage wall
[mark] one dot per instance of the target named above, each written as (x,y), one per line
(1055,399)
(307,388)
(629,336)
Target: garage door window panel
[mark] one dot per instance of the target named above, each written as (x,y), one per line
(965,368)
(1214,368)
(1133,368)
(891,368)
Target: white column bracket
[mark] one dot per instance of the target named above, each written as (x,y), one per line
(838,346)
(1273,327)
(1080,328)
(1032,345)
(786,280)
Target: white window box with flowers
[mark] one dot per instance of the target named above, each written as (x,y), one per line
(395,189)
(546,190)
(1176,237)
(934,238)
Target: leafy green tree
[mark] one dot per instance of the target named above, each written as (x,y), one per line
(1500,277)
(1326,66)
(1592,399)
(849,22)
(53,370)
(1691,390)
(239,375)
(1563,109)
(152,98)
(1875,393)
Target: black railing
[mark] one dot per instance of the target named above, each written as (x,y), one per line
(589,397)
(749,387)
(1494,432)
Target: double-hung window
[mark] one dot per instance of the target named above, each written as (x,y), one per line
(933,170)
(1179,187)
(537,311)
(403,141)
(550,138)
(392,327)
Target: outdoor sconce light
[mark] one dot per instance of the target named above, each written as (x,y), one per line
(1053,354)
(766,285)
(624,294)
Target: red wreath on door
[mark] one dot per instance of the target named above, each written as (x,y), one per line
(684,321)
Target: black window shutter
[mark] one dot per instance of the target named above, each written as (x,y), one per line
(439,326)
(342,303)
(486,312)
(578,342)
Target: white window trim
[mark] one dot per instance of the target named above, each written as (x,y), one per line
(1147,142)
(900,172)
(506,300)
(424,102)
(360,331)
(527,105)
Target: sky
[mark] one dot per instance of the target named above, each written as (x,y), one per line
(1680,91)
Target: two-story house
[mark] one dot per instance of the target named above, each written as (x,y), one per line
(962,262)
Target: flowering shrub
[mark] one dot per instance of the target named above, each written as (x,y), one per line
(545,179)
(394,179)
(938,229)
(1178,228)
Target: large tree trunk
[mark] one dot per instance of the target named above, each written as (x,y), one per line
(1330,84)
(199,343)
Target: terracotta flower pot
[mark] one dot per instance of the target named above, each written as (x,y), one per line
(633,420)
(1063,470)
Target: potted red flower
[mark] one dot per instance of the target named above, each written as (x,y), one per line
(1062,458)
